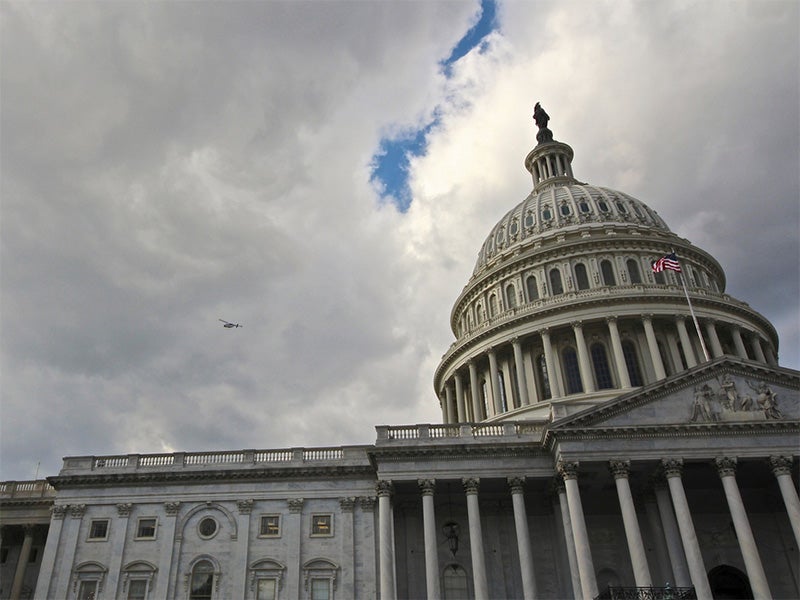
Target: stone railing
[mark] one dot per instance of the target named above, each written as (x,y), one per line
(647,593)
(289,457)
(464,432)
(38,488)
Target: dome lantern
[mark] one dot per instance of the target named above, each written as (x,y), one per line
(550,162)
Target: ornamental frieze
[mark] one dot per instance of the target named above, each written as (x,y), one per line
(729,401)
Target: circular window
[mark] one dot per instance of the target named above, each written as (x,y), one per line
(207,527)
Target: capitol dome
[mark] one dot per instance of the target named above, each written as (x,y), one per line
(563,309)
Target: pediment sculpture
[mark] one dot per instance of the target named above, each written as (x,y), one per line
(729,403)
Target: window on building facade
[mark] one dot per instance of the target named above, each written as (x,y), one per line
(581,276)
(207,528)
(98,529)
(267,588)
(493,305)
(556,287)
(87,590)
(320,578)
(632,363)
(607,271)
(511,296)
(202,581)
(633,271)
(137,580)
(320,589)
(322,525)
(137,589)
(455,583)
(270,526)
(602,371)
(88,580)
(533,290)
(572,371)
(146,528)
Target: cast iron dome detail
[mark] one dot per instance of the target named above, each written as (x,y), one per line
(576,253)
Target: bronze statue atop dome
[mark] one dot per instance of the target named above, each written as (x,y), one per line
(542,118)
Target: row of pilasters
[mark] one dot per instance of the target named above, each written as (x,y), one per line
(463,395)
(669,507)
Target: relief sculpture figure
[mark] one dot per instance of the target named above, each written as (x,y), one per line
(701,409)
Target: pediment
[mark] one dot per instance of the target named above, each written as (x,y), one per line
(724,393)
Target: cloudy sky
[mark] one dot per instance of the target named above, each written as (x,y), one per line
(168,164)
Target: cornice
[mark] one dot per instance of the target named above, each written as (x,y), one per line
(494,450)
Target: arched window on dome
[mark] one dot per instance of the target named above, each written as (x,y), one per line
(511,296)
(602,371)
(543,380)
(479,313)
(607,271)
(572,371)
(556,287)
(659,277)
(533,288)
(632,363)
(493,305)
(633,271)
(581,276)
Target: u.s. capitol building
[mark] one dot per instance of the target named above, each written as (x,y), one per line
(604,428)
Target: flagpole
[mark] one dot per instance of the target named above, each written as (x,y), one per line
(694,317)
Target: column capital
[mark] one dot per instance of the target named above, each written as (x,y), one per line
(471,485)
(76,510)
(568,470)
(620,469)
(347,504)
(427,486)
(384,488)
(245,506)
(612,319)
(544,331)
(673,467)
(726,466)
(124,509)
(577,324)
(515,340)
(295,505)
(59,511)
(781,465)
(367,503)
(172,508)
(516,484)
(647,317)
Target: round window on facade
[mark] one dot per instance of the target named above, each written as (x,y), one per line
(207,527)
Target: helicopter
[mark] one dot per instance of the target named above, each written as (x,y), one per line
(228,325)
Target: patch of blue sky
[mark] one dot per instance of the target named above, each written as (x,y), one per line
(391,162)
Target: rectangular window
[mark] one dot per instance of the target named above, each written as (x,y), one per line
(88,590)
(267,589)
(146,529)
(320,589)
(270,526)
(137,589)
(322,525)
(98,530)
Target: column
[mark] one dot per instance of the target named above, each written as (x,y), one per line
(583,358)
(523,537)
(522,383)
(166,537)
(619,355)
(677,558)
(57,514)
(726,466)
(495,377)
(386,549)
(583,553)
(476,539)
(652,344)
(686,343)
(242,546)
(620,469)
(711,331)
(118,534)
(427,488)
(450,404)
(294,533)
(758,352)
(348,586)
(662,569)
(549,359)
(478,410)
(782,469)
(572,557)
(673,468)
(672,344)
(22,563)
(460,410)
(738,342)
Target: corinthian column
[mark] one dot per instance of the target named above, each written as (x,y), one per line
(619,355)
(711,331)
(384,491)
(550,365)
(460,411)
(494,374)
(621,469)
(583,358)
(477,405)
(476,539)
(686,343)
(747,544)
(782,469)
(22,562)
(523,537)
(569,472)
(652,344)
(522,384)
(673,468)
(427,487)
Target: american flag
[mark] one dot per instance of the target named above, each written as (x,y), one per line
(667,263)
